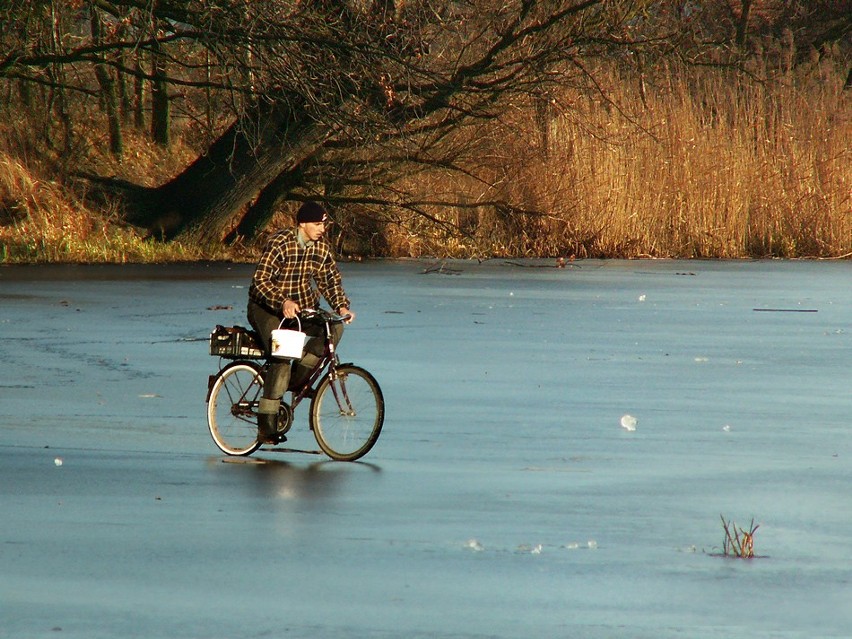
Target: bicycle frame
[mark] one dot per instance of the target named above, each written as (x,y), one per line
(328,360)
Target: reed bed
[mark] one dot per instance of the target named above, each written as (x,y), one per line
(701,164)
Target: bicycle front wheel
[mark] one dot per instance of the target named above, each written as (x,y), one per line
(232,408)
(347,413)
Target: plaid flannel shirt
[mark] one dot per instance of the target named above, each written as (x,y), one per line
(286,269)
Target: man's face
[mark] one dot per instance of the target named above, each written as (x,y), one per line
(312,230)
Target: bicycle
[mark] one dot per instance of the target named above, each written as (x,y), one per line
(346,404)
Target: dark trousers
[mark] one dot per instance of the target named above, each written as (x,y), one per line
(278,378)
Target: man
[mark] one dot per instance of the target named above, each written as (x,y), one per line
(281,287)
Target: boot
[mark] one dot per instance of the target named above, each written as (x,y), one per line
(267,422)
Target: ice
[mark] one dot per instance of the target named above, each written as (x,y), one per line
(628,422)
(532,549)
(473,544)
(500,432)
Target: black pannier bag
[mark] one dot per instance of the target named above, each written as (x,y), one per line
(234,342)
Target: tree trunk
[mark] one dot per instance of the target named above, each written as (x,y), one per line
(138,95)
(160,117)
(742,23)
(204,203)
(109,95)
(263,208)
(111,106)
(124,99)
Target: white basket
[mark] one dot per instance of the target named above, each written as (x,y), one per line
(288,344)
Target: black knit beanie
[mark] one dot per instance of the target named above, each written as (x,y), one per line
(311,211)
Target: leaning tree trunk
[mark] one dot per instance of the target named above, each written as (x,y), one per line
(263,208)
(204,203)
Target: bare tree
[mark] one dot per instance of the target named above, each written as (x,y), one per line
(319,83)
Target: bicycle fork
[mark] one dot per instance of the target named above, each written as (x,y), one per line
(338,389)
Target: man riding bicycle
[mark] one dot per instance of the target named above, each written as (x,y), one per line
(281,287)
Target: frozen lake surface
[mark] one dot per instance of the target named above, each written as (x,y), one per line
(504,499)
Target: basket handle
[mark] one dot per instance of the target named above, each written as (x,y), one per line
(298,322)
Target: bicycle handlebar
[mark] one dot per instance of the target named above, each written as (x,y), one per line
(333,318)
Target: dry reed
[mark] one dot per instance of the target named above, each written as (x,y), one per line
(703,164)
(738,541)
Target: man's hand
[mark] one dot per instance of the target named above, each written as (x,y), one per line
(291,309)
(343,311)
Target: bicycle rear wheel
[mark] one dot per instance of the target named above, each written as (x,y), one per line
(232,408)
(347,413)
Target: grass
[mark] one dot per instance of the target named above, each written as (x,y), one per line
(42,222)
